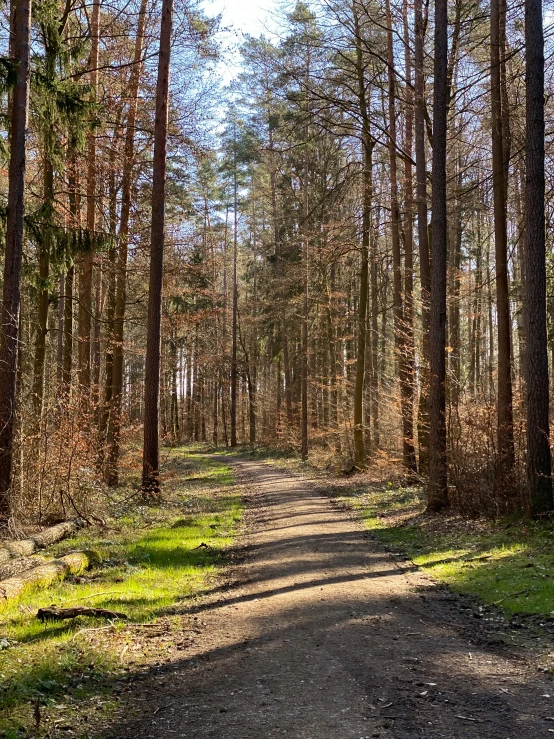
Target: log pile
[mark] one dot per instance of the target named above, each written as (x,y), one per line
(15,566)
(44,575)
(16,549)
(21,569)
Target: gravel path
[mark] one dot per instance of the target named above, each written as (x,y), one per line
(324,635)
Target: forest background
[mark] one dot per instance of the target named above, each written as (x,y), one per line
(357,257)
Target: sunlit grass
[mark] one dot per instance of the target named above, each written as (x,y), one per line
(509,563)
(151,559)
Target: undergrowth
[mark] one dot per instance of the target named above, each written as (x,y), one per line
(152,558)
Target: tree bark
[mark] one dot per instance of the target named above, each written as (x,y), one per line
(505,419)
(11,295)
(539,482)
(85,297)
(406,398)
(438,488)
(114,422)
(234,365)
(422,229)
(150,465)
(367,196)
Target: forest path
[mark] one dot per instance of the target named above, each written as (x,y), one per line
(324,635)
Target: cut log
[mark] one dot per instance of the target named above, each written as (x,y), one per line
(26,547)
(44,575)
(21,564)
(59,614)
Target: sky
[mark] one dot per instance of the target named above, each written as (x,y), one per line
(240,17)
(247,16)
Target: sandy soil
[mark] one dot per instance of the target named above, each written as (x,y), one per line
(322,634)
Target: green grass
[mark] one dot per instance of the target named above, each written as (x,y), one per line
(150,563)
(509,563)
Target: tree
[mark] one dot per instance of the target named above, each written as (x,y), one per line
(539,481)
(422,226)
(505,419)
(368,144)
(438,488)
(87,260)
(11,296)
(114,419)
(151,463)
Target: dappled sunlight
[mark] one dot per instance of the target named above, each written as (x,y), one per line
(324,634)
(146,567)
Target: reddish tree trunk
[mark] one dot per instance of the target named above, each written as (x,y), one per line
(150,462)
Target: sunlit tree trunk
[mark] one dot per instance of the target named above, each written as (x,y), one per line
(114,421)
(151,462)
(539,482)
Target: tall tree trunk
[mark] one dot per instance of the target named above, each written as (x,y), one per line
(408,452)
(367,196)
(85,296)
(305,273)
(11,294)
(409,348)
(422,229)
(234,365)
(505,419)
(105,409)
(114,423)
(539,482)
(438,488)
(374,380)
(150,463)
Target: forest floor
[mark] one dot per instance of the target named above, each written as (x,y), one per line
(319,632)
(59,678)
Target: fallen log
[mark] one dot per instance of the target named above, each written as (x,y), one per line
(59,614)
(21,564)
(26,547)
(44,575)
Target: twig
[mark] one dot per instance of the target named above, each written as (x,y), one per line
(84,631)
(94,595)
(468,718)
(513,595)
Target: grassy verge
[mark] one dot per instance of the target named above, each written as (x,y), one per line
(151,560)
(508,563)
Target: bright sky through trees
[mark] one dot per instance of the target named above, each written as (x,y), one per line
(240,17)
(246,16)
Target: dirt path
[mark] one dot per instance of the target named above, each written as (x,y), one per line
(326,636)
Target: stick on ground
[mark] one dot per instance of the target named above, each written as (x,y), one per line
(59,614)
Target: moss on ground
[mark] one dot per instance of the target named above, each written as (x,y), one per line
(151,559)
